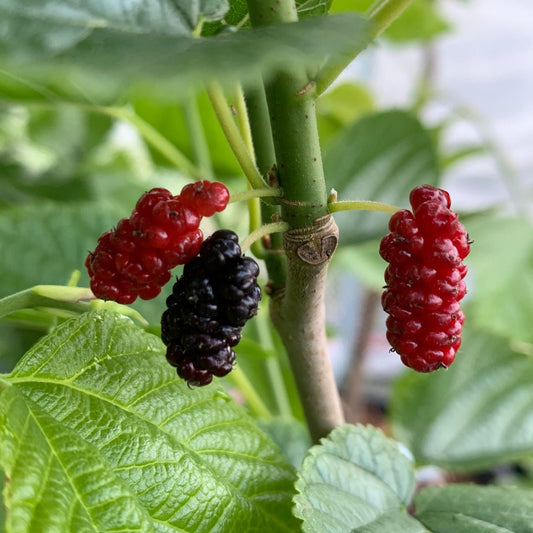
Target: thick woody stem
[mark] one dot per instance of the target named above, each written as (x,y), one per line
(299,315)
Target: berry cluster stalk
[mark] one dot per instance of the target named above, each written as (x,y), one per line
(298,310)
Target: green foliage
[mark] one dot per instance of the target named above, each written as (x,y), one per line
(83,450)
(503,297)
(470,509)
(353,478)
(357,480)
(97,433)
(237,15)
(171,121)
(291,436)
(476,414)
(341,106)
(421,21)
(45,245)
(373,152)
(50,55)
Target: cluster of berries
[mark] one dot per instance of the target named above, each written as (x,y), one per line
(162,232)
(209,305)
(424,280)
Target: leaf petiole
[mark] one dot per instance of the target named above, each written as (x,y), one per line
(264,192)
(366,205)
(233,135)
(262,231)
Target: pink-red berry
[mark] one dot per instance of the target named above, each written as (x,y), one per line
(424,280)
(135,259)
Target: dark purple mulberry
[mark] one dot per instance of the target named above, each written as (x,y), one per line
(209,305)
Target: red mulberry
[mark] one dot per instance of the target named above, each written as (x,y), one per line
(424,280)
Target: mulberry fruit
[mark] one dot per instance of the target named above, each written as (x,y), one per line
(424,280)
(209,305)
(162,232)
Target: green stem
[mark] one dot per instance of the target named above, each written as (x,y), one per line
(231,131)
(262,231)
(273,366)
(297,310)
(53,297)
(153,137)
(254,223)
(70,299)
(350,205)
(253,400)
(196,130)
(242,119)
(266,160)
(260,128)
(380,14)
(254,208)
(278,386)
(255,193)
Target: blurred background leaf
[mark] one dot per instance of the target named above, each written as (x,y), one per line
(381,156)
(62,54)
(477,414)
(421,21)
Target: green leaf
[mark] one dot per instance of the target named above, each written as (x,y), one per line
(292,437)
(355,478)
(380,157)
(34,239)
(473,509)
(99,433)
(502,297)
(75,56)
(421,20)
(476,414)
(169,120)
(339,107)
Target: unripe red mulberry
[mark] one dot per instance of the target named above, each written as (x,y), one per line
(162,232)
(424,280)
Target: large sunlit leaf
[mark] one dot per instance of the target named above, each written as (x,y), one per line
(78,55)
(355,480)
(98,433)
(380,157)
(476,414)
(474,509)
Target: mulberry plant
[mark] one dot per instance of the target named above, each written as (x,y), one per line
(186,384)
